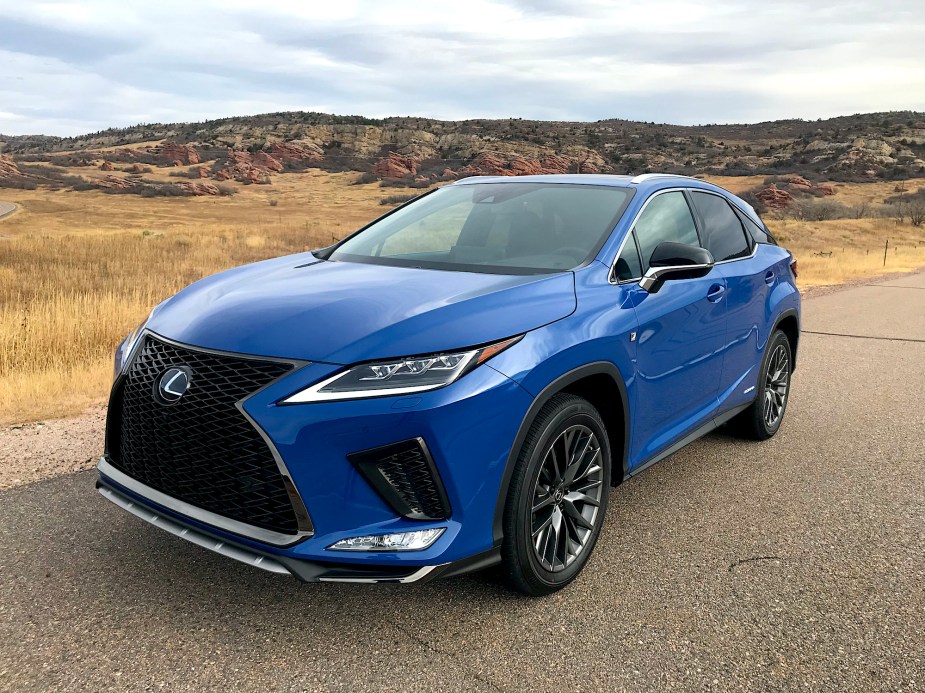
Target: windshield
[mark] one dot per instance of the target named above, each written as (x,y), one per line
(505,228)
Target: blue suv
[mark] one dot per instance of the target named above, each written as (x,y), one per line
(456,385)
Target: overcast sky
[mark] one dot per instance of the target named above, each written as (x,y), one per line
(67,68)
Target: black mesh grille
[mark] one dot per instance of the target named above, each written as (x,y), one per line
(201,449)
(405,476)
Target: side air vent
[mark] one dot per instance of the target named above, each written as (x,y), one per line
(405,476)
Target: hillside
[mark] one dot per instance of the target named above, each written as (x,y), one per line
(419,151)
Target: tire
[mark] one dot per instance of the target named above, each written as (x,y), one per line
(571,505)
(755,423)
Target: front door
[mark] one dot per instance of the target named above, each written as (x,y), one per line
(682,329)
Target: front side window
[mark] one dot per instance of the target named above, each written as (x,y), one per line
(505,228)
(723,234)
(667,217)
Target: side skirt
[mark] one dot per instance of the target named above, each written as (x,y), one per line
(710,425)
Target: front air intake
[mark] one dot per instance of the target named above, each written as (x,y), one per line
(405,475)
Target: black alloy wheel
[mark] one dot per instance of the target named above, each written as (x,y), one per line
(763,418)
(557,498)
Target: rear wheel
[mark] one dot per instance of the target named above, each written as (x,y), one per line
(763,418)
(557,498)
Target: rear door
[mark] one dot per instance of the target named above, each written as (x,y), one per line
(681,333)
(747,285)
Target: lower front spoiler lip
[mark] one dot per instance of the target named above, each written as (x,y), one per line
(307,571)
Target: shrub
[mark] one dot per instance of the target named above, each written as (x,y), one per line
(403,183)
(396,199)
(364,178)
(819,210)
(226,189)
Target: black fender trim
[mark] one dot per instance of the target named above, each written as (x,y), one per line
(560,383)
(789,312)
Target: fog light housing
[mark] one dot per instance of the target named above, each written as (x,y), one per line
(416,540)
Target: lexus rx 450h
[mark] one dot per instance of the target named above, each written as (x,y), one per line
(456,385)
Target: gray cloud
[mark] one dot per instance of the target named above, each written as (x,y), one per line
(110,63)
(34,38)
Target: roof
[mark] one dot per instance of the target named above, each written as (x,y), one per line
(643,180)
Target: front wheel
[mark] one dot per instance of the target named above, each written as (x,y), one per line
(763,418)
(557,498)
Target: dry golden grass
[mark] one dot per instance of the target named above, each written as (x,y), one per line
(79,270)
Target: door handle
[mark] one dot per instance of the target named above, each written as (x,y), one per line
(769,278)
(716,293)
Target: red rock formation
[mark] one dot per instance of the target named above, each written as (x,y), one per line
(396,166)
(203,171)
(799,182)
(449,173)
(494,164)
(296,151)
(117,183)
(106,166)
(486,164)
(524,167)
(775,198)
(825,189)
(556,164)
(264,160)
(247,167)
(178,154)
(198,189)
(135,168)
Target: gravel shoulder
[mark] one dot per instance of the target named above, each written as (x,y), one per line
(34,451)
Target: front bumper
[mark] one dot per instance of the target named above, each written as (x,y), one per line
(307,571)
(468,427)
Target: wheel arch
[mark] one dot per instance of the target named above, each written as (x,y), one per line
(788,322)
(596,382)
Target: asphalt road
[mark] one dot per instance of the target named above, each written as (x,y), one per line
(794,564)
(6,208)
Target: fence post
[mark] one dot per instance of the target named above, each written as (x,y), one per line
(886,247)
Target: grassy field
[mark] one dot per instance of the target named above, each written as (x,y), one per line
(78,270)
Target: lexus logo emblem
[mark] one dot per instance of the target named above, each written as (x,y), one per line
(173,384)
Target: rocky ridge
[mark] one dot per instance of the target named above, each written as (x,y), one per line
(253,149)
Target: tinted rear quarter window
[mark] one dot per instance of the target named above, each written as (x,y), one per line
(758,233)
(723,234)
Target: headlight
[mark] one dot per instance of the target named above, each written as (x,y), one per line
(399,376)
(124,350)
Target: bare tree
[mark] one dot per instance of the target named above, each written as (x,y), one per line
(917,213)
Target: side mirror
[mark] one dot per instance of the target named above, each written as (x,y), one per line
(675,261)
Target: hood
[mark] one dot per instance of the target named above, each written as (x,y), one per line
(342,312)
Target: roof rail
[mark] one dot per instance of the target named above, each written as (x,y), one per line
(649,176)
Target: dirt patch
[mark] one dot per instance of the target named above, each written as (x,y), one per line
(36,451)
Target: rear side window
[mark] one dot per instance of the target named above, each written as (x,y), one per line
(723,234)
(758,233)
(666,218)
